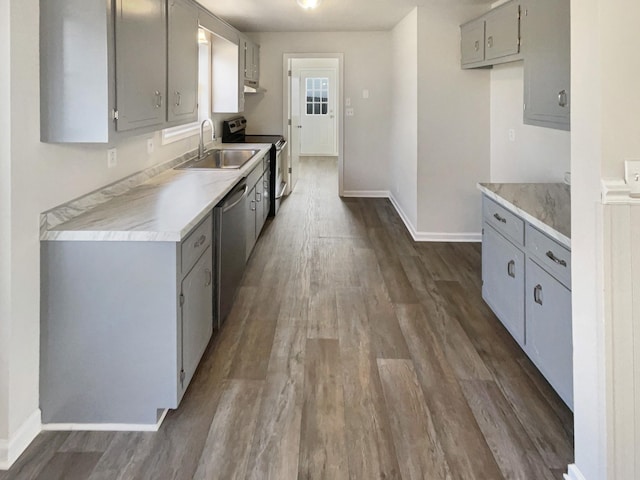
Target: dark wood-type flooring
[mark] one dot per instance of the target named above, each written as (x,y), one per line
(351,352)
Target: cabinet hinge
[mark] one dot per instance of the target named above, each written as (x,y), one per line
(181,299)
(115,114)
(289,169)
(289,73)
(524,107)
(289,122)
(182,375)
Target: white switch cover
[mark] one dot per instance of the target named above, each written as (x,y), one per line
(365,93)
(150,147)
(349,112)
(112,158)
(512,135)
(632,176)
(347,101)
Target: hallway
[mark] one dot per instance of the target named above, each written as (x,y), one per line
(351,352)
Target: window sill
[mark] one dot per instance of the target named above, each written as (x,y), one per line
(174,134)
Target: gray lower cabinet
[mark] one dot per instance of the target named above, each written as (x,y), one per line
(258,201)
(549,341)
(503,280)
(547,67)
(250,218)
(526,280)
(182,56)
(123,326)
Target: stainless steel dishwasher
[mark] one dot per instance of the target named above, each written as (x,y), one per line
(230,249)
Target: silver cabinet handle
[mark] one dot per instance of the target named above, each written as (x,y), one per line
(537,294)
(490,42)
(158,99)
(258,197)
(511,269)
(477,45)
(253,205)
(178,99)
(562,98)
(266,184)
(200,241)
(499,218)
(559,261)
(209,277)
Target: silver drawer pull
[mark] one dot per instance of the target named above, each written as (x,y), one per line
(200,241)
(209,277)
(499,218)
(562,98)
(476,45)
(511,269)
(258,197)
(252,205)
(537,294)
(559,261)
(490,42)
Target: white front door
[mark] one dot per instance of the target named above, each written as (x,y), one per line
(317,107)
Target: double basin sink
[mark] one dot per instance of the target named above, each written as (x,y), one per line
(219,158)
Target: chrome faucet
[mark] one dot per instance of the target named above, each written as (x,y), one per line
(213,136)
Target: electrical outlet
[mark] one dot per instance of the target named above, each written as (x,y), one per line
(150,147)
(632,176)
(112,158)
(349,112)
(512,135)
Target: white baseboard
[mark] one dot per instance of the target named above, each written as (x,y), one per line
(366,193)
(432,236)
(573,473)
(11,449)
(106,427)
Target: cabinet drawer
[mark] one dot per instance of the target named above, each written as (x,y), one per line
(503,220)
(256,173)
(196,243)
(552,256)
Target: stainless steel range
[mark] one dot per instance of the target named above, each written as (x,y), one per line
(234,131)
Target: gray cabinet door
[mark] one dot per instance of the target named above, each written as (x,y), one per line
(141,63)
(547,67)
(472,42)
(549,341)
(183,61)
(197,315)
(259,205)
(502,31)
(266,195)
(503,280)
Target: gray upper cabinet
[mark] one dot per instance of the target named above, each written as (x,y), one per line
(472,43)
(493,38)
(182,61)
(251,61)
(141,63)
(547,67)
(503,31)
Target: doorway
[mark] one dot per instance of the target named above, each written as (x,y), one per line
(313,114)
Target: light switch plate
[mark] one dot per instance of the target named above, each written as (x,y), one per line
(365,93)
(632,176)
(112,158)
(349,112)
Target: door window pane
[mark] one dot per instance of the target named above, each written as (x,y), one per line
(317,93)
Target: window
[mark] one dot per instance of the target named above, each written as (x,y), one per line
(180,132)
(317,96)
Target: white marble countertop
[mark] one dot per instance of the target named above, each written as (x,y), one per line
(164,208)
(547,206)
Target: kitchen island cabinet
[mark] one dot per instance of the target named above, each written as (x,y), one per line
(526,273)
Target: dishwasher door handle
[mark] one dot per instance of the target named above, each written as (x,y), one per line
(226,208)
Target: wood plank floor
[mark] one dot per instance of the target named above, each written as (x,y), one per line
(351,352)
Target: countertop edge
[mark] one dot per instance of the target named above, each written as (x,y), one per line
(159,236)
(540,225)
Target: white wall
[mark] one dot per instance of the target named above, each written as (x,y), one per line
(366,134)
(42,176)
(5,207)
(537,154)
(403,156)
(453,127)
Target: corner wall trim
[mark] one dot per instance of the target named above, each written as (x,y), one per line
(11,449)
(573,473)
(433,236)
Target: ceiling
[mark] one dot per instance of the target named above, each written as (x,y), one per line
(330,16)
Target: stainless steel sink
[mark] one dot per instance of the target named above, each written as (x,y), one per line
(220,158)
